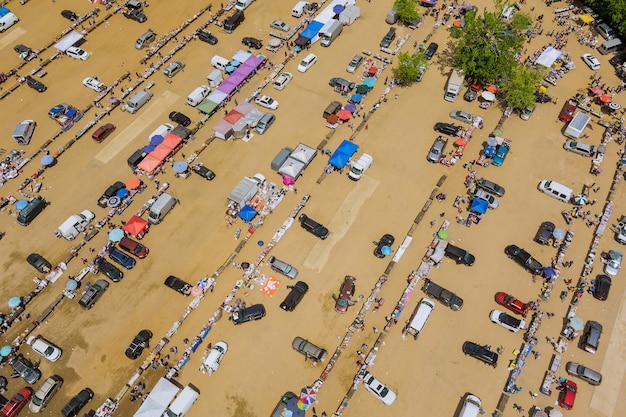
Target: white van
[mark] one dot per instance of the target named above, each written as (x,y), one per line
(182,404)
(243,4)
(24,131)
(7,21)
(198,95)
(419,317)
(219,62)
(162,130)
(137,101)
(471,406)
(556,190)
(612,45)
(299,8)
(160,208)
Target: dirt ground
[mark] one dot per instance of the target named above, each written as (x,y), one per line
(429,375)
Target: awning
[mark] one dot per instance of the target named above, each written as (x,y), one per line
(68,40)
(586,18)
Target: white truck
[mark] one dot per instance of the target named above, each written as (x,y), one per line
(455,83)
(330,32)
(577,125)
(246,189)
(74,225)
(360,166)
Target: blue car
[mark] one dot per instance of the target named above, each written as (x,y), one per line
(122,259)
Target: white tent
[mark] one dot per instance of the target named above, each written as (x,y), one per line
(68,40)
(548,57)
(159,398)
(349,15)
(292,168)
(303,153)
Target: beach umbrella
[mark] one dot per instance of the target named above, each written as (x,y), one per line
(488,95)
(580,199)
(114,201)
(230,69)
(556,413)
(344,115)
(122,192)
(443,234)
(370,82)
(497,132)
(604,98)
(351,107)
(332,119)
(15,302)
(21,204)
(549,272)
(112,99)
(489,151)
(492,141)
(615,106)
(337,9)
(71,285)
(6,350)
(540,413)
(362,89)
(372,70)
(47,160)
(457,23)
(386,250)
(491,88)
(197,291)
(308,396)
(460,142)
(596,90)
(180,167)
(116,235)
(274,43)
(133,183)
(156,140)
(356,98)
(149,148)
(558,234)
(576,323)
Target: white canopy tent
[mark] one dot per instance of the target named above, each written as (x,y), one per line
(68,40)
(548,57)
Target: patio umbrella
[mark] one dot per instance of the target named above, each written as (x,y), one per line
(540,413)
(615,106)
(71,285)
(156,140)
(604,98)
(491,88)
(580,199)
(497,132)
(372,70)
(386,250)
(549,272)
(558,234)
(230,69)
(337,9)
(122,192)
(489,151)
(370,82)
(307,397)
(344,115)
(460,142)
(350,107)
(576,323)
(443,234)
(114,201)
(488,95)
(47,160)
(116,235)
(180,167)
(21,204)
(149,148)
(356,98)
(596,90)
(555,412)
(274,43)
(15,302)
(6,350)
(492,141)
(197,291)
(133,183)
(332,119)
(362,89)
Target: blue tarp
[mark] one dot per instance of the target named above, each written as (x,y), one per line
(310,31)
(247,213)
(342,155)
(479,206)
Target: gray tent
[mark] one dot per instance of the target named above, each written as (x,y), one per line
(292,168)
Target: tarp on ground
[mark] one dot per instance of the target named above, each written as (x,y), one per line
(311,30)
(304,153)
(343,153)
(479,206)
(244,107)
(242,56)
(68,40)
(292,168)
(548,56)
(158,400)
(149,163)
(171,141)
(233,116)
(349,15)
(223,130)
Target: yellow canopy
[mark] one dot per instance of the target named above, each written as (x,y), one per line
(586,18)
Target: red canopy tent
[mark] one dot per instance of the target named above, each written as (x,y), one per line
(233,116)
(171,141)
(136,226)
(149,163)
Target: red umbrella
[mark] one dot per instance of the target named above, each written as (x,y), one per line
(596,90)
(372,70)
(344,114)
(460,142)
(133,183)
(332,119)
(491,88)
(604,98)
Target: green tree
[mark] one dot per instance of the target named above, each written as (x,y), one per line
(406,10)
(520,85)
(409,67)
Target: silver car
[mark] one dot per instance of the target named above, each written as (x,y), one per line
(462,116)
(45,393)
(282,267)
(584,373)
(490,187)
(437,150)
(580,148)
(354,64)
(280,25)
(173,68)
(613,263)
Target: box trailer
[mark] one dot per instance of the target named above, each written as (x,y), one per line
(455,83)
(576,126)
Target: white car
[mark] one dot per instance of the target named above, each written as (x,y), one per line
(510,323)
(77,53)
(379,389)
(614,262)
(280,25)
(94,84)
(591,61)
(267,102)
(282,80)
(493,202)
(214,358)
(44,348)
(307,62)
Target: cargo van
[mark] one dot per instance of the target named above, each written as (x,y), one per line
(392,17)
(264,123)
(32,210)
(136,158)
(234,21)
(7,21)
(93,294)
(556,190)
(137,101)
(219,62)
(198,95)
(160,208)
(471,406)
(299,8)
(330,32)
(24,131)
(145,39)
(612,45)
(133,247)
(243,4)
(419,317)
(182,404)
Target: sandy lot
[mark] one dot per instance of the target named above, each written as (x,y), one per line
(429,375)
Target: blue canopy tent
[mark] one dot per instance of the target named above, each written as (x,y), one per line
(342,155)
(479,206)
(247,213)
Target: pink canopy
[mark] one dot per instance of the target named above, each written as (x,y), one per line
(233,116)
(149,163)
(171,141)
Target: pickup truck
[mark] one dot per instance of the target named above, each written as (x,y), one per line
(442,295)
(502,151)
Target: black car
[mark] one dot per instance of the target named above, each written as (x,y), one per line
(482,353)
(602,287)
(448,129)
(524,258)
(23,49)
(207,37)
(542,98)
(544,234)
(109,270)
(203,171)
(295,296)
(313,227)
(252,42)
(385,240)
(178,284)
(110,192)
(618,60)
(39,263)
(139,343)
(430,51)
(70,15)
(388,38)
(180,118)
(35,84)
(81,399)
(136,15)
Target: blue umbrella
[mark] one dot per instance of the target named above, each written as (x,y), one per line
(549,272)
(558,234)
(489,151)
(149,148)
(386,250)
(356,98)
(235,63)
(230,68)
(122,192)
(21,204)
(6,350)
(15,302)
(491,141)
(351,107)
(71,285)
(180,167)
(116,235)
(369,81)
(247,213)
(156,140)
(338,8)
(47,160)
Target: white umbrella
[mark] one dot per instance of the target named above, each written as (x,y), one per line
(488,95)
(555,412)
(580,200)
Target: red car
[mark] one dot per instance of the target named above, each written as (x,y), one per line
(567,113)
(17,402)
(346,291)
(102,132)
(512,303)
(567,396)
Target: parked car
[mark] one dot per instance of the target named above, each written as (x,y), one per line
(602,287)
(380,390)
(13,407)
(282,80)
(606,31)
(178,285)
(109,270)
(25,369)
(77,53)
(591,61)
(267,102)
(527,111)
(40,263)
(494,203)
(94,84)
(313,227)
(346,292)
(542,98)
(251,42)
(385,240)
(338,82)
(462,116)
(35,84)
(567,113)
(44,348)
(77,402)
(295,296)
(388,38)
(207,37)
(544,234)
(437,151)
(354,63)
(173,68)
(180,118)
(307,62)
(280,25)
(482,353)
(253,312)
(70,15)
(139,343)
(282,267)
(490,187)
(431,50)
(524,259)
(580,148)
(214,359)
(510,323)
(512,303)
(284,404)
(584,373)
(133,247)
(203,171)
(613,263)
(136,15)
(590,341)
(448,129)
(567,394)
(308,349)
(121,258)
(44,394)
(103,132)
(443,295)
